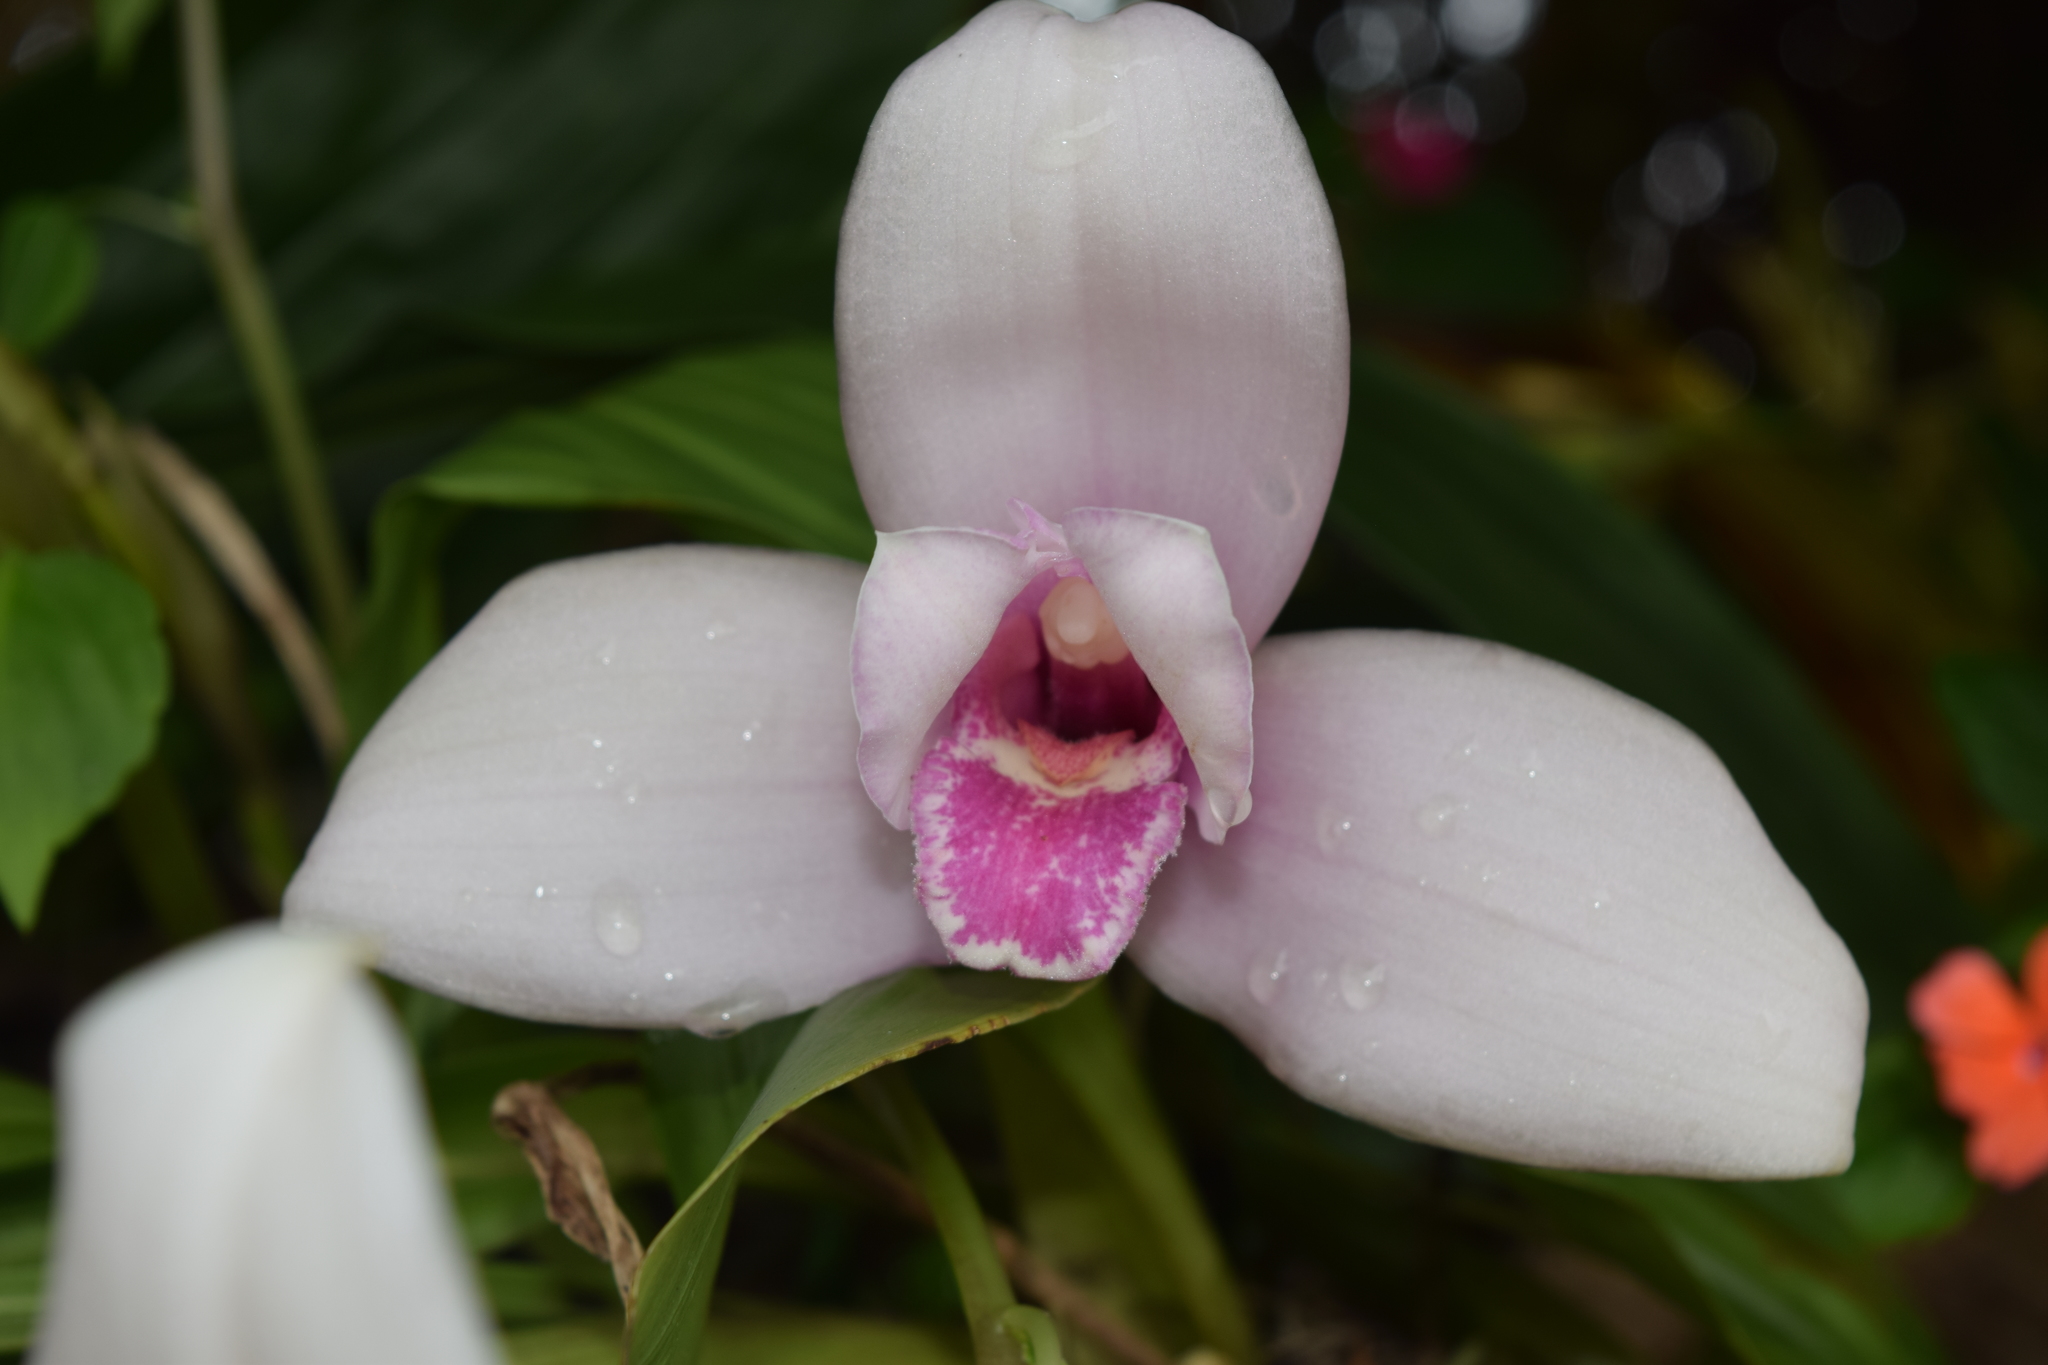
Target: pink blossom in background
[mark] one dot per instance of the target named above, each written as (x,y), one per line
(1414,154)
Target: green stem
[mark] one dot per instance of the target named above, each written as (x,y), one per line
(984,1288)
(1086,1048)
(252,317)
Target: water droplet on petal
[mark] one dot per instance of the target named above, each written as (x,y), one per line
(1277,491)
(1532,763)
(1333,831)
(1227,809)
(1072,132)
(607,651)
(750,1004)
(1775,1032)
(1361,982)
(1264,978)
(1438,816)
(719,630)
(615,913)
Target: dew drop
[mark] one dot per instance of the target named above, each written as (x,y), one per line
(719,630)
(1333,831)
(1071,133)
(1227,810)
(1264,978)
(607,652)
(1532,763)
(540,893)
(596,743)
(1469,749)
(750,1004)
(616,915)
(631,794)
(747,735)
(1361,982)
(1277,491)
(1775,1032)
(1438,816)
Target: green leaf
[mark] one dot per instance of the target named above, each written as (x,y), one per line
(748,437)
(49,260)
(1908,1180)
(702,1089)
(401,626)
(631,175)
(1997,709)
(28,1124)
(850,1035)
(83,678)
(1778,1303)
(21,1295)
(120,26)
(1084,1046)
(1459,509)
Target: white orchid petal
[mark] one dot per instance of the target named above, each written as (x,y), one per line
(1090,265)
(248,1174)
(625,795)
(928,609)
(1487,902)
(1161,582)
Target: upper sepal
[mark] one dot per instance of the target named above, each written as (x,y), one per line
(1091,265)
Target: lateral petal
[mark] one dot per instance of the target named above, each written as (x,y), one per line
(625,795)
(1487,902)
(928,609)
(248,1173)
(1091,265)
(1161,582)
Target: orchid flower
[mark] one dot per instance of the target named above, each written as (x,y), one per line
(1094,363)
(247,1173)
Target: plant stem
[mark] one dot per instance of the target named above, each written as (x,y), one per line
(212,519)
(1031,1275)
(984,1288)
(252,317)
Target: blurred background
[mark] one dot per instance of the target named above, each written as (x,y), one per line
(1702,346)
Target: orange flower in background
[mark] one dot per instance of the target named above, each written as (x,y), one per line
(1990,1048)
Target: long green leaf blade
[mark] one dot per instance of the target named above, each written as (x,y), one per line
(850,1035)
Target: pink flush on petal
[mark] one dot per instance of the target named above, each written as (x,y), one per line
(1042,817)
